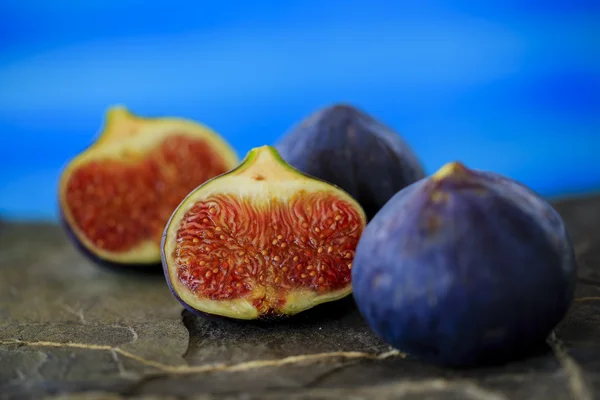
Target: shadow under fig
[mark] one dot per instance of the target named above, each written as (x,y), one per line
(318,315)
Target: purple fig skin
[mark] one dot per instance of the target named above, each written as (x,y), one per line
(343,145)
(152,268)
(468,269)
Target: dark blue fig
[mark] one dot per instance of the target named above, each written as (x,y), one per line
(345,146)
(464,268)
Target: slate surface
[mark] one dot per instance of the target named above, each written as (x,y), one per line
(69,329)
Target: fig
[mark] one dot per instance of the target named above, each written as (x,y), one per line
(343,145)
(116,196)
(263,241)
(465,268)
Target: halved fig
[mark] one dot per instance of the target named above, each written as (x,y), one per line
(116,196)
(261,241)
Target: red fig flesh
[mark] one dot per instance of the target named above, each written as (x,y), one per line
(262,240)
(117,195)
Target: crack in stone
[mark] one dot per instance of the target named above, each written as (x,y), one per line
(21,327)
(20,374)
(589,298)
(468,389)
(576,381)
(474,391)
(209,368)
(134,334)
(77,313)
(465,388)
(117,360)
(134,389)
(315,382)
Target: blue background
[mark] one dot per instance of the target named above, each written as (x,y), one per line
(506,85)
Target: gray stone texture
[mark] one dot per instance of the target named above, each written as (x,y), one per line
(71,329)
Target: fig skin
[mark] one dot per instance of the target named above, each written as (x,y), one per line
(343,145)
(261,164)
(151,268)
(465,268)
(121,127)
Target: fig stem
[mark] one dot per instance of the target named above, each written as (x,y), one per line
(455,168)
(268,162)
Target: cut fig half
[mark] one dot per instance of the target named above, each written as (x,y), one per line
(261,241)
(116,196)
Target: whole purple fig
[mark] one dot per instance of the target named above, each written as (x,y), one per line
(464,268)
(345,146)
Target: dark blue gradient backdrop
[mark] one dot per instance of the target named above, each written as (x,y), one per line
(505,85)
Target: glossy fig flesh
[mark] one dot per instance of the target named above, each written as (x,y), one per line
(465,268)
(343,145)
(262,241)
(117,195)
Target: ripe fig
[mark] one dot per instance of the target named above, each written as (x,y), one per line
(261,241)
(116,196)
(345,146)
(465,268)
